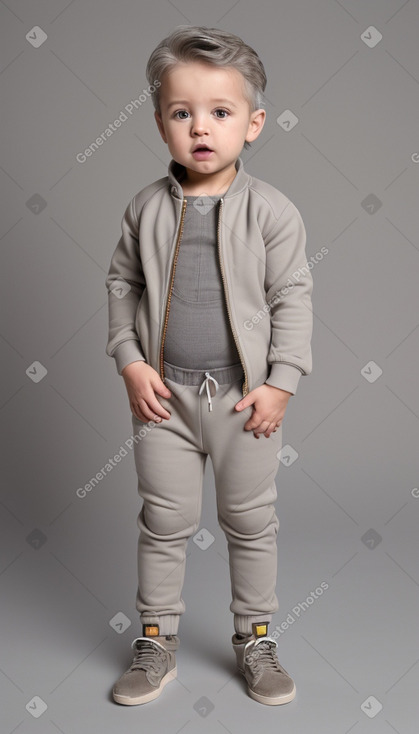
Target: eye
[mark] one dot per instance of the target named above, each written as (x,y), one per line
(180,112)
(225,113)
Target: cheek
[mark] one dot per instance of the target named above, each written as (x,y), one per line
(237,128)
(176,133)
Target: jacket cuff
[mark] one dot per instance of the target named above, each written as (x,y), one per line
(127,352)
(284,376)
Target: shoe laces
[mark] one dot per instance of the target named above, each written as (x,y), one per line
(149,654)
(262,655)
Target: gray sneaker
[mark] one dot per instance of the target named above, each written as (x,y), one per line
(153,666)
(267,681)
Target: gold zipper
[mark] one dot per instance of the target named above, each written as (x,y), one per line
(169,296)
(245,388)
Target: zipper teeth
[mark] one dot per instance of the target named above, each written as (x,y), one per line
(169,297)
(245,386)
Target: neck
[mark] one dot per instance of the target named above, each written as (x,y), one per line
(194,183)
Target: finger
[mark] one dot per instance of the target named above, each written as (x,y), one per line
(144,415)
(273,427)
(157,408)
(257,430)
(152,408)
(137,414)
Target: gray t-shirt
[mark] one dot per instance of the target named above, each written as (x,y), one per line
(198,332)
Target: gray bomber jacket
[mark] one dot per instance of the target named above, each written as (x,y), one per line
(261,245)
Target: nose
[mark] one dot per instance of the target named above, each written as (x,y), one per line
(198,126)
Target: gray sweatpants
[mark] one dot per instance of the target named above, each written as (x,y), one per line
(170,461)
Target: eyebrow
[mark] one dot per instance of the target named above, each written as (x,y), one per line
(214,101)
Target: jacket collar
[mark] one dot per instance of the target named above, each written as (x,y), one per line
(176,173)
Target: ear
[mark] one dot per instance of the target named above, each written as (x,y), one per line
(256,123)
(159,121)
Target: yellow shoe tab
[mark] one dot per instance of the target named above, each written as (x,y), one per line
(150,630)
(260,629)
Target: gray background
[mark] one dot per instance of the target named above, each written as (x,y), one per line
(348,505)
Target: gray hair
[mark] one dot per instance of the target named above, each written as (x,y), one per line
(213,46)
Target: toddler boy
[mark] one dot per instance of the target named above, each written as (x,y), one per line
(210,324)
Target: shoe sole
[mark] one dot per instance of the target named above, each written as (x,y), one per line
(269,700)
(129,701)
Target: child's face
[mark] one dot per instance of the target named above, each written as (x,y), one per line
(201,103)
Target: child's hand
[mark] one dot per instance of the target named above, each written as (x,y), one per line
(270,404)
(142,382)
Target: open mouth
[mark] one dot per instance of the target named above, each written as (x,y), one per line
(202,152)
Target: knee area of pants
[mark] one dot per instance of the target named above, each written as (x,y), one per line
(249,522)
(163,521)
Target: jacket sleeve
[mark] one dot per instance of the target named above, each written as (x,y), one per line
(288,286)
(125,283)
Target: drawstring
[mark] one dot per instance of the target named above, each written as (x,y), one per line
(209,377)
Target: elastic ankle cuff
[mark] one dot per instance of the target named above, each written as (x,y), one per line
(168,623)
(243,624)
